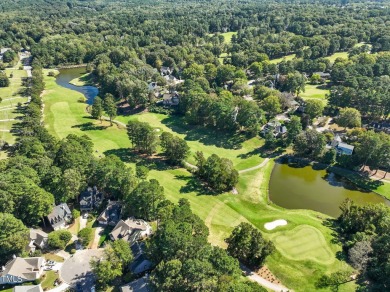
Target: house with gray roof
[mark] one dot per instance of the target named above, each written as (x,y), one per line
(90,199)
(60,217)
(139,285)
(20,270)
(28,288)
(341,147)
(38,239)
(111,215)
(131,230)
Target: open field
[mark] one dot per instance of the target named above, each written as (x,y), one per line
(11,96)
(314,91)
(286,58)
(64,115)
(332,58)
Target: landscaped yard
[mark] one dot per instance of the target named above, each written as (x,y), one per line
(53,257)
(314,91)
(49,279)
(332,58)
(75,227)
(64,115)
(285,58)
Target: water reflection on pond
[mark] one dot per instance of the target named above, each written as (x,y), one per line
(306,188)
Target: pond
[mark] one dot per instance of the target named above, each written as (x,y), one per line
(66,75)
(306,188)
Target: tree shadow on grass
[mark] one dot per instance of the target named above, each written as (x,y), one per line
(89,126)
(129,156)
(193,185)
(204,135)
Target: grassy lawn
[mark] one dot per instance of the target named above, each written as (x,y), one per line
(48,281)
(286,58)
(83,80)
(64,115)
(314,91)
(11,96)
(227,36)
(53,257)
(75,227)
(105,235)
(332,58)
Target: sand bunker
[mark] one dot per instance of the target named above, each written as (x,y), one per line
(274,224)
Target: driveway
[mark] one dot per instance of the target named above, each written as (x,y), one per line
(83,222)
(76,270)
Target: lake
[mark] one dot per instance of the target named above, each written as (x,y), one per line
(306,188)
(66,75)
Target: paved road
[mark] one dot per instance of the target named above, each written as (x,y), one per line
(76,271)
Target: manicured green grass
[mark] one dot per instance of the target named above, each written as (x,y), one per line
(11,96)
(227,36)
(48,281)
(314,91)
(83,80)
(221,213)
(332,58)
(53,257)
(285,58)
(75,227)
(303,243)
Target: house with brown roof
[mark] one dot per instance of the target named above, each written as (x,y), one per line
(20,270)
(131,230)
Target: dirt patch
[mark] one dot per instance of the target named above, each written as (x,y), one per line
(265,273)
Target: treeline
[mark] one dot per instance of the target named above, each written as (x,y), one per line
(218,173)
(364,232)
(186,261)
(362,83)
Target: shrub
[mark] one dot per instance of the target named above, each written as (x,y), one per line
(59,239)
(82,100)
(51,74)
(75,214)
(85,236)
(72,251)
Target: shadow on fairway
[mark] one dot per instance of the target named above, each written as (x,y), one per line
(205,135)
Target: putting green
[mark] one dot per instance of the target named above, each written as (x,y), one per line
(304,243)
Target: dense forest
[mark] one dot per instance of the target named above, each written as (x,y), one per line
(226,85)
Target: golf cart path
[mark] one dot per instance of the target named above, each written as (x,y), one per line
(251,275)
(265,161)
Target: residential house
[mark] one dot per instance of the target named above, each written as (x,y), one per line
(141,265)
(2,51)
(381,126)
(139,285)
(276,128)
(340,146)
(20,270)
(28,288)
(131,230)
(60,217)
(38,239)
(90,199)
(171,99)
(111,215)
(166,71)
(323,75)
(152,86)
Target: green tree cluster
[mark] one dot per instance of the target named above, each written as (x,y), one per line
(59,239)
(218,173)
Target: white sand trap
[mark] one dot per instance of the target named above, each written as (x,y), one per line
(274,224)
